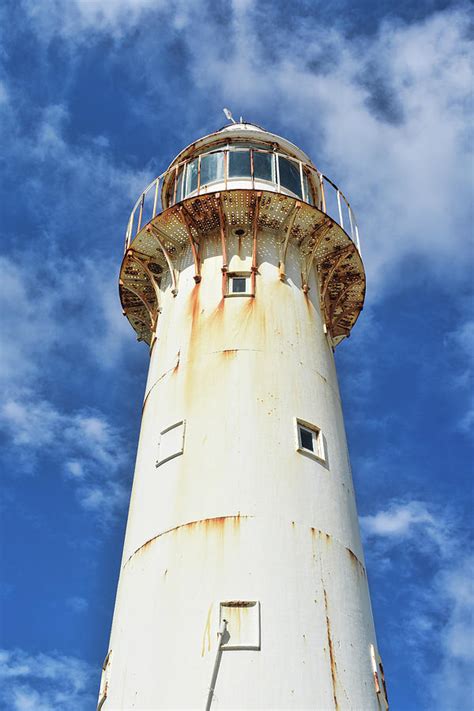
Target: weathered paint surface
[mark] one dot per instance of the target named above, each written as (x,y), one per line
(241,516)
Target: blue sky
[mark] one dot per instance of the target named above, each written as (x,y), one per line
(96,98)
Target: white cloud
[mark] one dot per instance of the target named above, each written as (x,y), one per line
(386,115)
(74,469)
(26,321)
(403,161)
(4,96)
(94,451)
(439,613)
(460,345)
(41,302)
(399,521)
(72,192)
(82,20)
(77,604)
(44,682)
(452,599)
(35,333)
(60,309)
(463,338)
(35,426)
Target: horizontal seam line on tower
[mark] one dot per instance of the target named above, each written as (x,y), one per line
(227,350)
(234,516)
(183,525)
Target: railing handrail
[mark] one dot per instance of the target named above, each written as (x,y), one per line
(179,169)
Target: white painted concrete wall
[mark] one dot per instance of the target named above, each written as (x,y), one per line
(241,515)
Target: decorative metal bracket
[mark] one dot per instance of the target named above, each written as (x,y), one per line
(284,244)
(173,272)
(188,221)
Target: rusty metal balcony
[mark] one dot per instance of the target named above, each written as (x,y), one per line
(247,186)
(256,169)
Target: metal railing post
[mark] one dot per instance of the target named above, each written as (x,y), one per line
(341,221)
(155,201)
(323,196)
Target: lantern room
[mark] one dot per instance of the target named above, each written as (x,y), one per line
(242,156)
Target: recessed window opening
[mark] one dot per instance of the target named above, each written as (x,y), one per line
(310,440)
(239,284)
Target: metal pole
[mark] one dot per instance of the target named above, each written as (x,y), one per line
(217,663)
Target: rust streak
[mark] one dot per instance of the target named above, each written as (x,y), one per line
(176,367)
(331,652)
(194,311)
(217,522)
(207,633)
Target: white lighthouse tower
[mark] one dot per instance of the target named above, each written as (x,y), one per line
(242,583)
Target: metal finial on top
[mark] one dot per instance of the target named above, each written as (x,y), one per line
(228,115)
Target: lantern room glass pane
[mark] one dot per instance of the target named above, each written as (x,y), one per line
(290,175)
(192,176)
(263,166)
(239,164)
(179,186)
(212,168)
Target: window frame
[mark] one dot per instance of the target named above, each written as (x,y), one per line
(319,453)
(273,170)
(187,180)
(295,164)
(217,178)
(239,275)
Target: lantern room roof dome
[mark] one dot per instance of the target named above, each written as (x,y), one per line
(242,131)
(241,126)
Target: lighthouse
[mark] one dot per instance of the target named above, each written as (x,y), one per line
(242,583)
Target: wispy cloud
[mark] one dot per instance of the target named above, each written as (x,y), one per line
(402,521)
(77,604)
(390,111)
(82,21)
(93,450)
(460,342)
(389,119)
(386,115)
(438,608)
(44,682)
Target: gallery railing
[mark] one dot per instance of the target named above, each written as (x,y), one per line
(231,167)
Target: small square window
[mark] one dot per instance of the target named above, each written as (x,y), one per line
(242,624)
(171,443)
(310,440)
(239,284)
